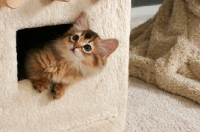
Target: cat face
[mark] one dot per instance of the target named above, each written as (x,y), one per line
(83,43)
(85,46)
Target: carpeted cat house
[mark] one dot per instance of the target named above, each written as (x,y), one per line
(97,104)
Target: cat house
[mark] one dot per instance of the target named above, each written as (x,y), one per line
(96,104)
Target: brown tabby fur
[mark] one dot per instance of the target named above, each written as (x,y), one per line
(65,61)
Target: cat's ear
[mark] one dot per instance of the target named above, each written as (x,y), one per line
(81,23)
(107,47)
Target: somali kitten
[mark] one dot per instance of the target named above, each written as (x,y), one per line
(80,53)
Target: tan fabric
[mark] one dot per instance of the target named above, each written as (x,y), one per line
(96,104)
(165,50)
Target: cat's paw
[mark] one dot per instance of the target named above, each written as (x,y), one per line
(40,85)
(58,91)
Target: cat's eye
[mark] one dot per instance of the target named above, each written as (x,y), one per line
(87,47)
(75,38)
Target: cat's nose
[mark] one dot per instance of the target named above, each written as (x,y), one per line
(75,45)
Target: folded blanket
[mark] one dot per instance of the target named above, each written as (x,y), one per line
(165,50)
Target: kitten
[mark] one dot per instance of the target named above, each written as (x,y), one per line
(80,53)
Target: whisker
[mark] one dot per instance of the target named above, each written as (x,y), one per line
(56,35)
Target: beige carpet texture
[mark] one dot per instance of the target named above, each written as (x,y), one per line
(151,109)
(97,104)
(165,50)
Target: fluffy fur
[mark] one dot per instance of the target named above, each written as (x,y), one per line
(78,54)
